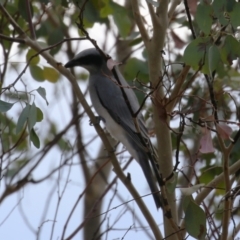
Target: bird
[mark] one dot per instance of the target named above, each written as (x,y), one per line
(115,102)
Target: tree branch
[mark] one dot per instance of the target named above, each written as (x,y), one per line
(154,17)
(172,8)
(29,15)
(177,88)
(189,18)
(139,22)
(227,200)
(11,39)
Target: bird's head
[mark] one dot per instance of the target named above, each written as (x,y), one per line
(90,59)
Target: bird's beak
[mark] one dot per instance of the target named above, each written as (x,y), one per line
(71,63)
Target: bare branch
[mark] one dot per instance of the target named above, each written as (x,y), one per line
(189,18)
(139,22)
(177,88)
(174,4)
(30,23)
(10,39)
(154,17)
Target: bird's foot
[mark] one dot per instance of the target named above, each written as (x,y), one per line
(96,121)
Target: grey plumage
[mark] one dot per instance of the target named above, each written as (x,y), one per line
(109,102)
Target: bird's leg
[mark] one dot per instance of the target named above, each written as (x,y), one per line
(96,121)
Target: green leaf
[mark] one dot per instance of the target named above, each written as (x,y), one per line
(136,41)
(64,3)
(34,138)
(204,17)
(23,9)
(45,1)
(235,153)
(105,8)
(39,115)
(235,16)
(55,36)
(21,162)
(219,7)
(213,58)
(23,118)
(230,5)
(92,14)
(11,8)
(230,50)
(136,67)
(32,116)
(29,115)
(8,127)
(209,172)
(42,93)
(51,74)
(5,106)
(186,201)
(64,145)
(42,31)
(37,73)
(35,60)
(196,52)
(121,19)
(11,172)
(195,220)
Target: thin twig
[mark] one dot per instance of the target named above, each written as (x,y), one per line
(179,137)
(189,18)
(172,8)
(29,16)
(11,39)
(139,21)
(212,97)
(12,21)
(177,88)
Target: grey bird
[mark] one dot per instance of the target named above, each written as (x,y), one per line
(108,99)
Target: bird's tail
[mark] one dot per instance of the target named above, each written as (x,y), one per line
(142,150)
(147,170)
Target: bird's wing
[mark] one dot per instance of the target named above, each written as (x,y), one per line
(131,96)
(128,123)
(111,98)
